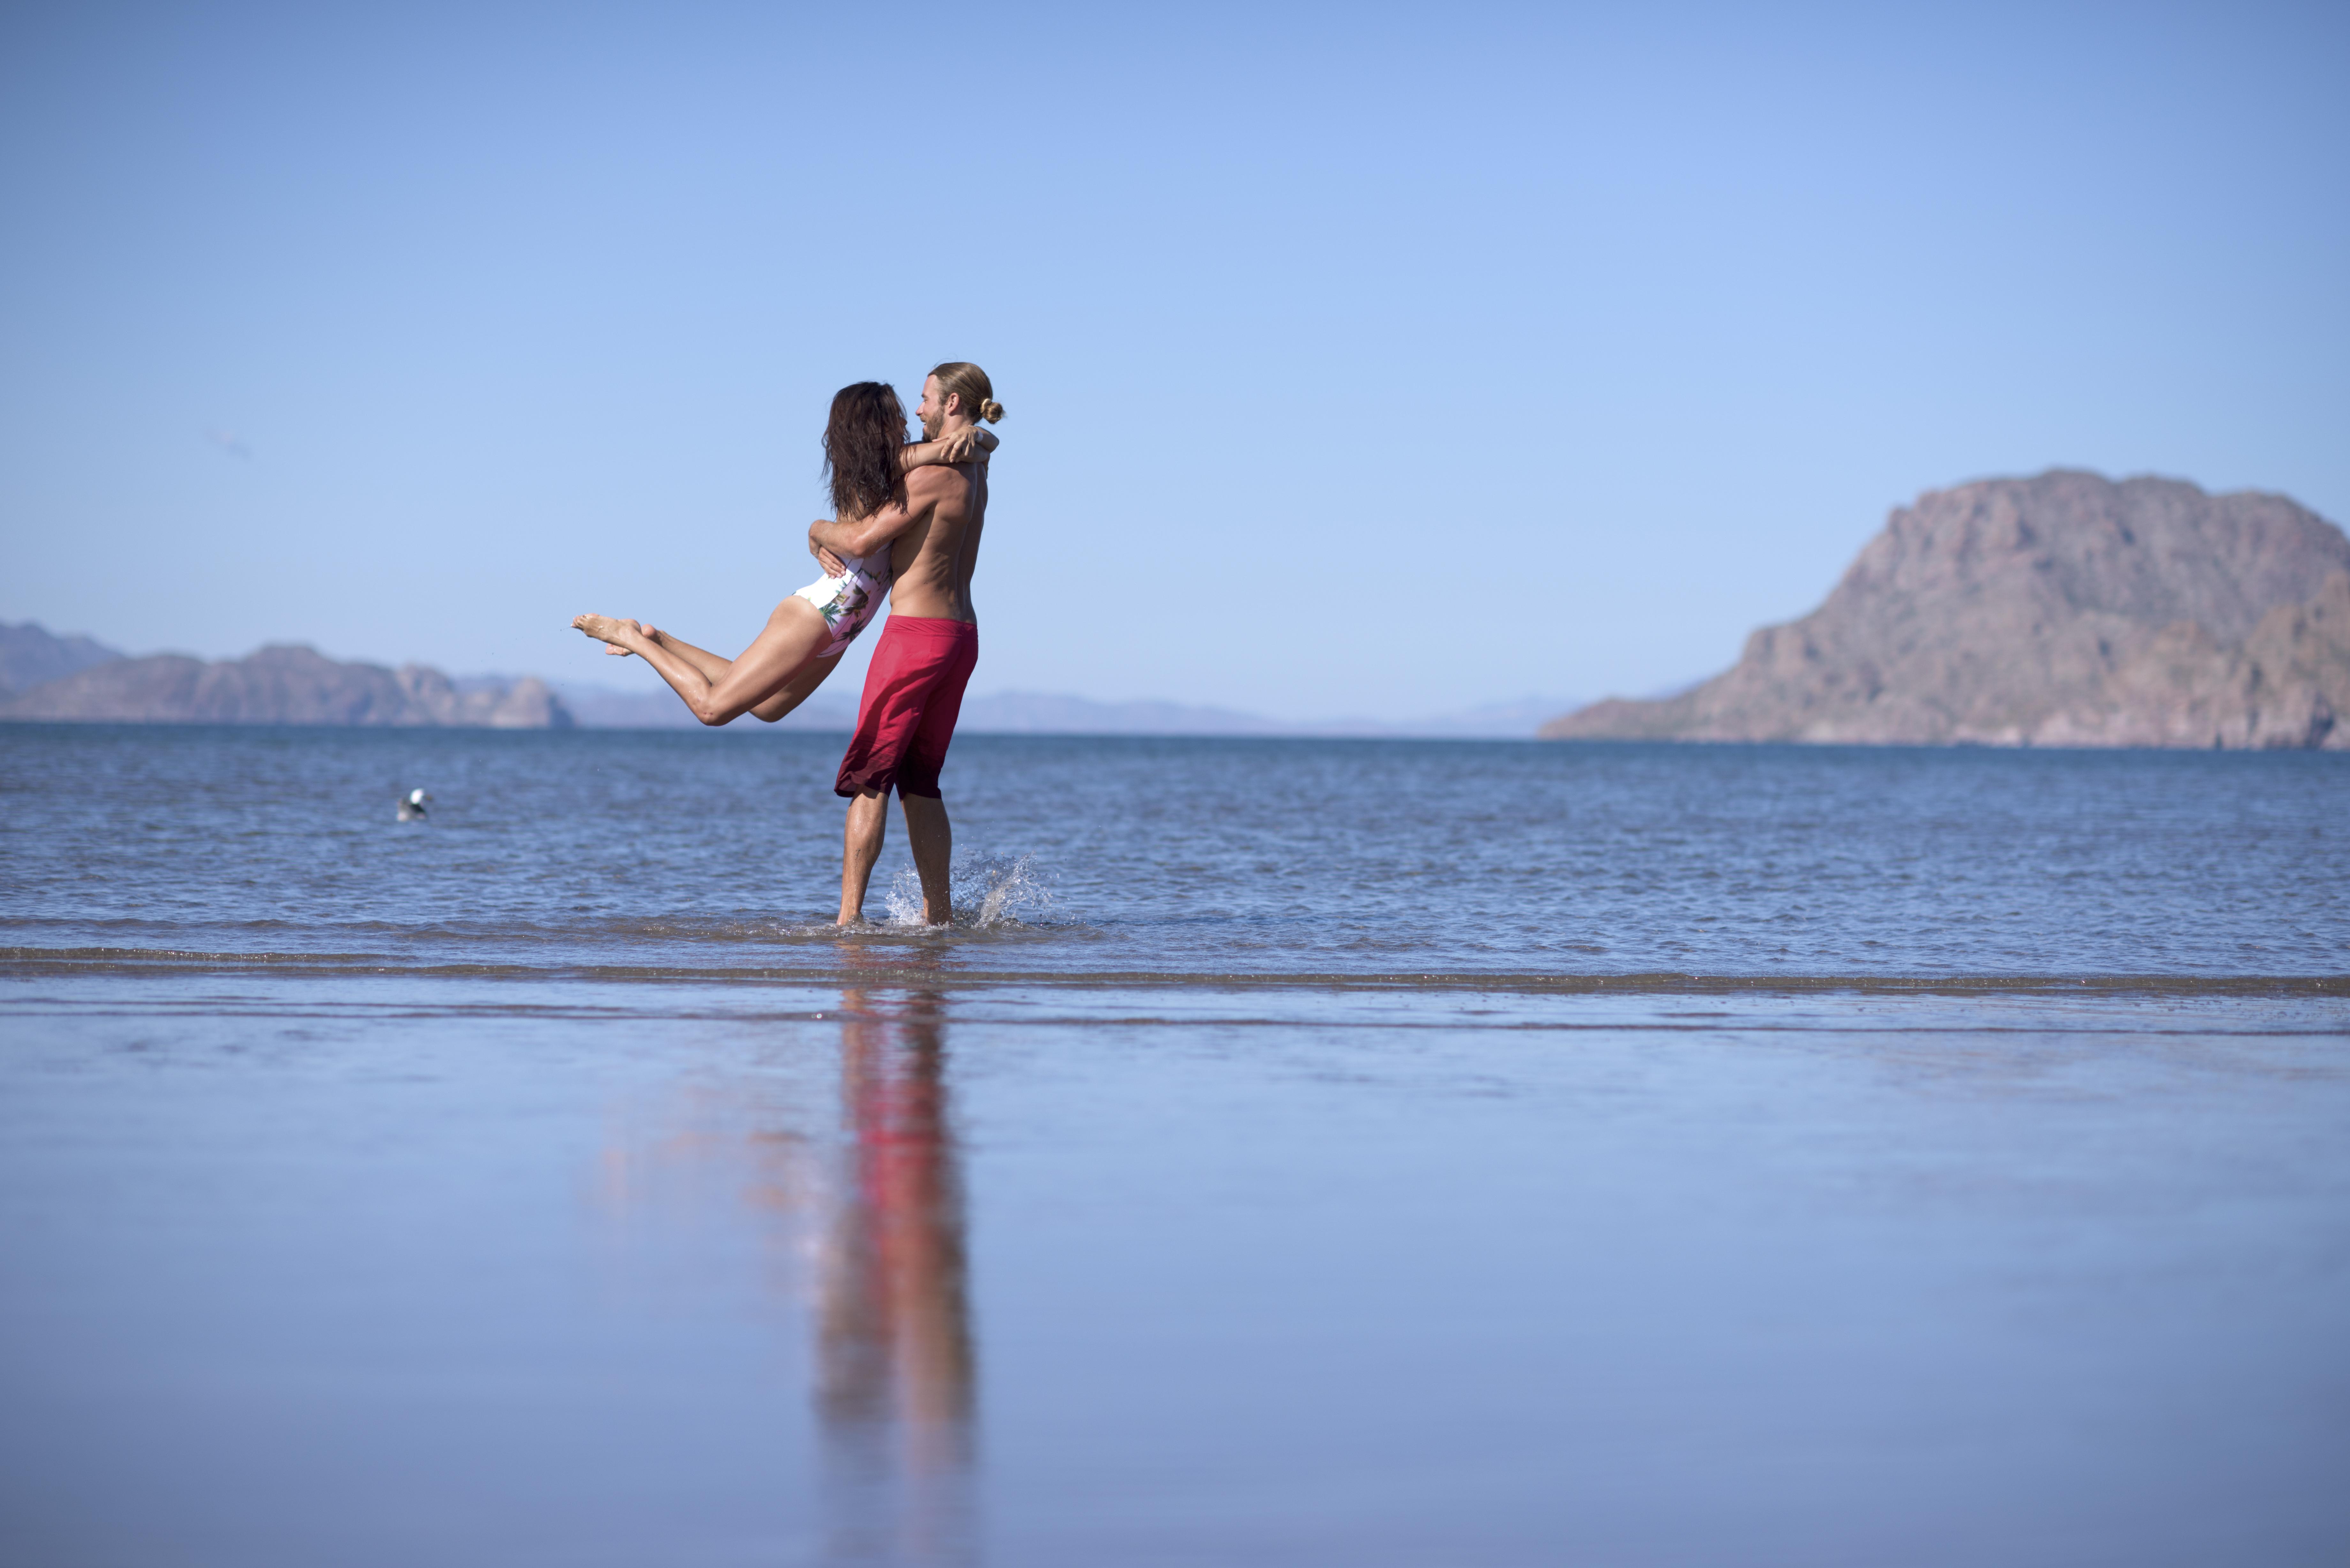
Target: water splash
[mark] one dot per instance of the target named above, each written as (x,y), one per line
(986,891)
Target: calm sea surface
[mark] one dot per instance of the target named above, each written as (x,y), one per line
(1364,1153)
(656,851)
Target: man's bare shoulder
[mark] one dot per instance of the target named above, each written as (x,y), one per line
(928,486)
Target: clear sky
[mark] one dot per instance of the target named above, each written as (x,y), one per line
(1358,360)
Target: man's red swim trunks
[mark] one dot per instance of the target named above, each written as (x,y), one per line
(913,692)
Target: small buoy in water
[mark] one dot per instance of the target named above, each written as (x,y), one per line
(412,806)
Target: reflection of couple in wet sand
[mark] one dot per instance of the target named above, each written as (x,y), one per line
(875,1182)
(907,522)
(894,1338)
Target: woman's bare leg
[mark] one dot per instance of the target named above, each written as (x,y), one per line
(715,665)
(793,635)
(798,690)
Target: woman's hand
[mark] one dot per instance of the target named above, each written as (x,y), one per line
(968,444)
(833,565)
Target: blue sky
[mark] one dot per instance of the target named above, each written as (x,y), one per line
(1360,360)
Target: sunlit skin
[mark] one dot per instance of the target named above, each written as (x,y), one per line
(780,669)
(934,548)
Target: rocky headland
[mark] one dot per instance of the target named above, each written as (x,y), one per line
(31,654)
(287,684)
(2062,610)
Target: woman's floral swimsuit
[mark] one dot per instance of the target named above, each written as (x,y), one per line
(848,601)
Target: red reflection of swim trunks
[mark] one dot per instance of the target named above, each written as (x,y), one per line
(913,692)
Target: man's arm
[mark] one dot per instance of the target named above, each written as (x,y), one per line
(924,486)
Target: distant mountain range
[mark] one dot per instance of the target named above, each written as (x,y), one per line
(287,684)
(30,656)
(47,677)
(1033,712)
(2064,609)
(2060,610)
(1046,714)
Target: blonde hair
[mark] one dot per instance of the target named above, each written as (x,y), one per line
(968,381)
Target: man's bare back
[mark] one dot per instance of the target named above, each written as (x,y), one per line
(930,564)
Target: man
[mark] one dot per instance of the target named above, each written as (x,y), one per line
(914,688)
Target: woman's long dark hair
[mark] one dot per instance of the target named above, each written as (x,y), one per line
(861,449)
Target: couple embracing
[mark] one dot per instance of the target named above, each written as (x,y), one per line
(905,524)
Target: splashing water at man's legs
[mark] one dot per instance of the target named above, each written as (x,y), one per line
(988,890)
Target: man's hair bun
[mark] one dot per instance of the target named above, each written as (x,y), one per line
(991,411)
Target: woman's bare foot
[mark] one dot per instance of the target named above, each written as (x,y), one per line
(651,634)
(608,629)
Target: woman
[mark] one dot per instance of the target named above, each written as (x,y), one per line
(867,455)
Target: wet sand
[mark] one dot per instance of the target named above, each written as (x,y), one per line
(311,1268)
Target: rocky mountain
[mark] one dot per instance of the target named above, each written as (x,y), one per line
(2060,610)
(31,654)
(284,685)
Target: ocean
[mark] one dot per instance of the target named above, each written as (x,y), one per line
(655,854)
(1362,1151)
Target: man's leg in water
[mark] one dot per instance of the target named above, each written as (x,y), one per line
(868,824)
(930,836)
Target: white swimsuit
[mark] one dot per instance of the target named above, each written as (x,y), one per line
(848,601)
